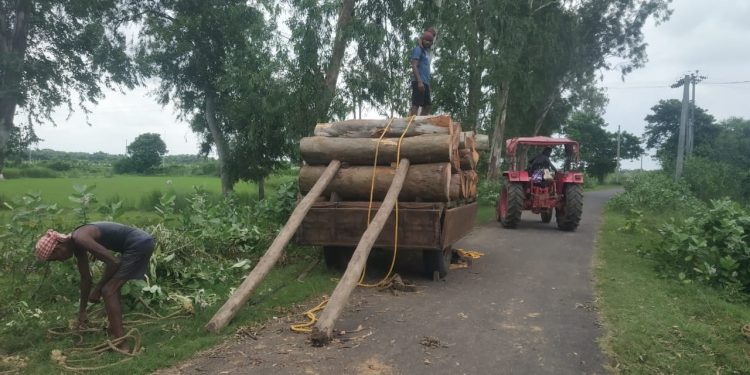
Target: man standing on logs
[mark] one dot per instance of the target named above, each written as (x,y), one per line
(420,79)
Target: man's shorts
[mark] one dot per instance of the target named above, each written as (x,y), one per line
(420,98)
(134,260)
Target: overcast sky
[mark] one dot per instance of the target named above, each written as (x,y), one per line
(710,36)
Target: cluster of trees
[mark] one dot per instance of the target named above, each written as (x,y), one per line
(253,77)
(719,164)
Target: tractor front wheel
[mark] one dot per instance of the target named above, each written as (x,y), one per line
(511,205)
(546,216)
(569,217)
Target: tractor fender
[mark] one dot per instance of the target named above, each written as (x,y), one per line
(572,178)
(516,176)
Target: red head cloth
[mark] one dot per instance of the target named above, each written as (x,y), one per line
(47,243)
(427,36)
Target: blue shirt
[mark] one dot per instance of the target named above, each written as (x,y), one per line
(423,64)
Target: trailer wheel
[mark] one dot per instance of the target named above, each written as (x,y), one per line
(337,257)
(437,262)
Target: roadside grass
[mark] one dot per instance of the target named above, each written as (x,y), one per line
(485,213)
(169,341)
(655,325)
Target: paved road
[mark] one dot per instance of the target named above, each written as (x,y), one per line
(523,308)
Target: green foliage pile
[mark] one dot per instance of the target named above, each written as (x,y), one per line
(201,249)
(713,247)
(654,191)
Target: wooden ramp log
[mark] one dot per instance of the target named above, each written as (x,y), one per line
(321,334)
(424,182)
(373,128)
(242,294)
(421,149)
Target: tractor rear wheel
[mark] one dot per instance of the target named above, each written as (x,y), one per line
(546,216)
(569,217)
(511,205)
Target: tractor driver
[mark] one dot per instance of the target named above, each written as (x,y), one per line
(538,164)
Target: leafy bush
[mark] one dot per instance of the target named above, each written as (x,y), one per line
(713,247)
(711,179)
(654,191)
(488,192)
(37,172)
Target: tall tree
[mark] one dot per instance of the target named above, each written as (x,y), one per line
(663,129)
(598,146)
(55,53)
(321,32)
(191,46)
(146,152)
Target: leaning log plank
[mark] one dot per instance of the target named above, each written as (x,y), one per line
(374,128)
(242,294)
(424,182)
(361,151)
(321,334)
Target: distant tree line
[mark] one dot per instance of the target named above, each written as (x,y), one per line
(251,87)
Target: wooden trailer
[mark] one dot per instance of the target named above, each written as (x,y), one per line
(429,227)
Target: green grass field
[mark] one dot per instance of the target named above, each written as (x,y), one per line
(655,325)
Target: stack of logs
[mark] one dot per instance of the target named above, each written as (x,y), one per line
(443,159)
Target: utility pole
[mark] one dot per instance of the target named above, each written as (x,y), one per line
(617,170)
(685,83)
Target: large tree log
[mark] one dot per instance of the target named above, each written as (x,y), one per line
(467,140)
(323,329)
(424,182)
(483,142)
(468,161)
(422,149)
(373,128)
(457,187)
(242,294)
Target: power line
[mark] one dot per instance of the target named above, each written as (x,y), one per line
(726,83)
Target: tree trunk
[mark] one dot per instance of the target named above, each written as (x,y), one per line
(340,41)
(374,128)
(496,147)
(261,188)
(424,182)
(361,151)
(222,151)
(259,272)
(323,329)
(475,52)
(547,106)
(13,51)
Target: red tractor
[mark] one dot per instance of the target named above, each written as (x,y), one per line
(561,191)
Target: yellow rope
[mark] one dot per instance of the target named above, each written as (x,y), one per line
(305,327)
(312,319)
(387,277)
